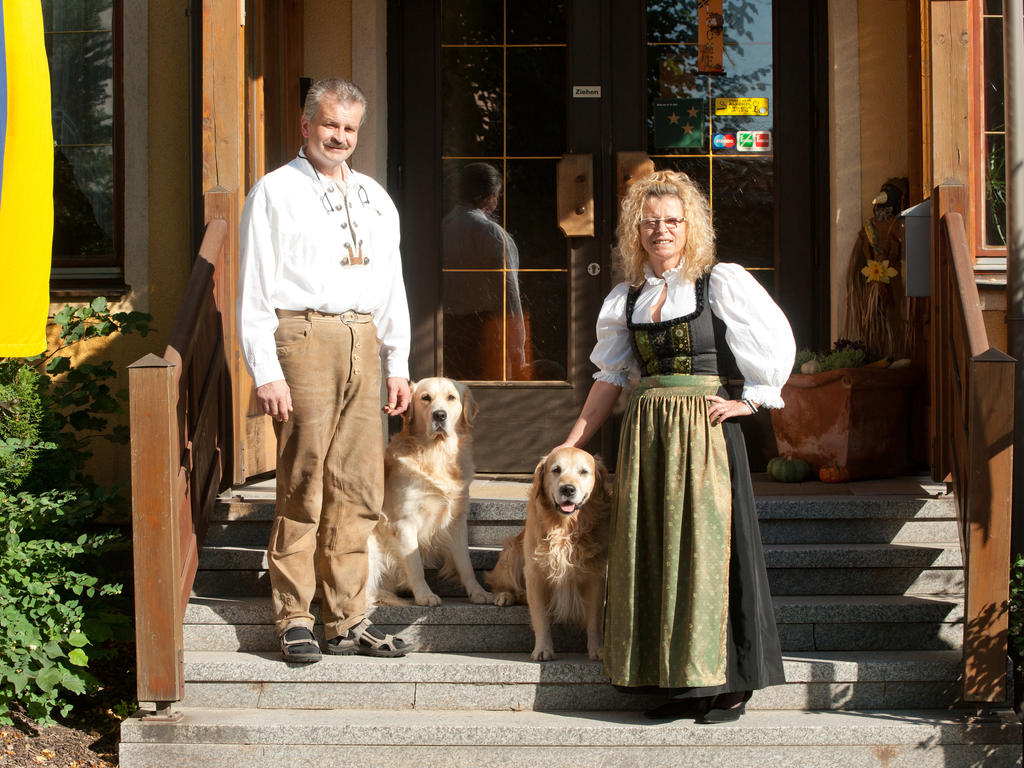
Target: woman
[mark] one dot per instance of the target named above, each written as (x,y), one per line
(689,612)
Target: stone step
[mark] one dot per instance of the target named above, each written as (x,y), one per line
(458,626)
(938,555)
(494,681)
(261,738)
(924,568)
(493,533)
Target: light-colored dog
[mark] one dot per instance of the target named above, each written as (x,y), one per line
(428,467)
(559,562)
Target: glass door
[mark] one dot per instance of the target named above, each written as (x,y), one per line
(488,97)
(504,263)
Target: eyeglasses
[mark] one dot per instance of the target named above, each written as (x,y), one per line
(670,223)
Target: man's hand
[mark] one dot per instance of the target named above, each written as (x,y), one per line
(398,396)
(274,398)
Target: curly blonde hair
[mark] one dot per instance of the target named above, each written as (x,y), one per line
(699,251)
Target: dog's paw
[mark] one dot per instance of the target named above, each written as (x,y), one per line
(428,599)
(542,654)
(504,598)
(596,654)
(481,597)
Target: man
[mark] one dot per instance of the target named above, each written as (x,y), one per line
(476,304)
(320,293)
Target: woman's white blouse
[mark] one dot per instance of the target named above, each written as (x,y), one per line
(756,330)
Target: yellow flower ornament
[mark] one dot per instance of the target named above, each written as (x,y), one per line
(878,271)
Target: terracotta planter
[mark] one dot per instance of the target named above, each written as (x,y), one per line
(858,418)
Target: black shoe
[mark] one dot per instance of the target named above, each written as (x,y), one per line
(675,709)
(726,712)
(298,645)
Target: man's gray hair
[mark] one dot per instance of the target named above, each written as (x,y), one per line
(345,91)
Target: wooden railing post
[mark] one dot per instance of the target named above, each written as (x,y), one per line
(948,197)
(988,524)
(155,455)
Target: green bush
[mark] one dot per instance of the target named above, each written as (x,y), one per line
(59,585)
(1017,611)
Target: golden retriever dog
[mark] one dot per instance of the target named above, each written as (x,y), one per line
(428,467)
(558,562)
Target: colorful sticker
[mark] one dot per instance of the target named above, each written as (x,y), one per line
(678,123)
(753,141)
(745,107)
(724,141)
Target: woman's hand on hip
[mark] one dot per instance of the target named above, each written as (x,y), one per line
(720,409)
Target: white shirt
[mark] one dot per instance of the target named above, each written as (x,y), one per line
(756,330)
(296,229)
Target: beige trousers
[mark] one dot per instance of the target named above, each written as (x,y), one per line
(330,468)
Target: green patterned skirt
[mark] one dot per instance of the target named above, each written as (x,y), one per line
(668,570)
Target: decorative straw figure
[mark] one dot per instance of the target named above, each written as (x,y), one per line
(876,307)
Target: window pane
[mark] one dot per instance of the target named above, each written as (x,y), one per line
(995,190)
(79,47)
(536,101)
(546,312)
(742,206)
(83,201)
(697,168)
(471,21)
(531,219)
(472,106)
(994,114)
(536,21)
(473,323)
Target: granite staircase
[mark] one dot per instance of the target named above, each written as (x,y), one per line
(867,584)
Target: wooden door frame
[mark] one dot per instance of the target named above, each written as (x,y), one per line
(240,129)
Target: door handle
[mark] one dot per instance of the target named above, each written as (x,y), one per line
(630,166)
(575,195)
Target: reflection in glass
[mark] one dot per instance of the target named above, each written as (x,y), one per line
(484,330)
(536,101)
(472,110)
(669,21)
(79,48)
(747,21)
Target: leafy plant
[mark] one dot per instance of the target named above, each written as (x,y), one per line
(845,353)
(1017,611)
(58,584)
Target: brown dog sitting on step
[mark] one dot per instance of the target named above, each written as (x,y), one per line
(558,564)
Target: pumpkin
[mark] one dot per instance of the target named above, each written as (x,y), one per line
(834,474)
(787,470)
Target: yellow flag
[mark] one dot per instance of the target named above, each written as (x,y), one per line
(26,179)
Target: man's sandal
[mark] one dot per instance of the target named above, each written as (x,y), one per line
(366,640)
(298,645)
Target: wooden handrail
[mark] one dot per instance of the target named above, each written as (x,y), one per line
(972,427)
(181,437)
